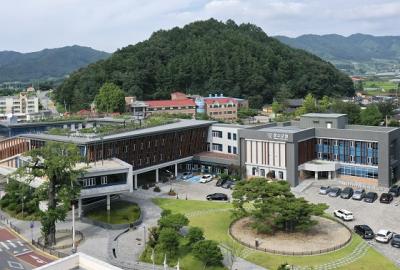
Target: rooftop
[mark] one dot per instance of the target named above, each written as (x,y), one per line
(324,115)
(282,129)
(181,124)
(170,103)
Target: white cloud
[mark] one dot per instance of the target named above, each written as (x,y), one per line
(28,25)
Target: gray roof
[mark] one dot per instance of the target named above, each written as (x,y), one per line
(282,129)
(181,124)
(324,115)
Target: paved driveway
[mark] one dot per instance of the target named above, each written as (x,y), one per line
(376,215)
(16,254)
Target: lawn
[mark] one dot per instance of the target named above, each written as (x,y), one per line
(385,85)
(215,222)
(121,212)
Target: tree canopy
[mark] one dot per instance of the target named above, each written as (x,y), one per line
(56,162)
(208,57)
(110,99)
(275,207)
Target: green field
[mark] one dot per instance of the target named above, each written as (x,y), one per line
(385,85)
(215,218)
(121,212)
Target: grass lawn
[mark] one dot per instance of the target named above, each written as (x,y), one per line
(121,212)
(386,85)
(216,223)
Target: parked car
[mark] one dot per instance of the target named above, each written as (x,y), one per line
(334,192)
(324,190)
(386,198)
(227,184)
(346,193)
(187,175)
(396,241)
(370,197)
(364,231)
(217,197)
(206,178)
(395,190)
(343,214)
(358,194)
(220,182)
(232,185)
(383,236)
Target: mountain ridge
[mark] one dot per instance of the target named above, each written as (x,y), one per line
(46,63)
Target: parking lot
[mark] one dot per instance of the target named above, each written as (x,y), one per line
(376,215)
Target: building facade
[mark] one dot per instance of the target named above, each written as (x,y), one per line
(21,104)
(322,146)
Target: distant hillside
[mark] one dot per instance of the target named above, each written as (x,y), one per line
(45,64)
(208,57)
(383,51)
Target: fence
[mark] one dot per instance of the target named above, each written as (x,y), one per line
(49,250)
(292,253)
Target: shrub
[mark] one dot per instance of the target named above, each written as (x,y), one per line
(156,189)
(195,234)
(175,221)
(208,252)
(171,192)
(145,186)
(169,240)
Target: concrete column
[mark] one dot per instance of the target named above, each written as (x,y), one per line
(135,181)
(108,202)
(157,176)
(316,175)
(79,208)
(176,170)
(329,175)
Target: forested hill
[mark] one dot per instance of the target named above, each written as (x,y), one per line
(46,64)
(208,57)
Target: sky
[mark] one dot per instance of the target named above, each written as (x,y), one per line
(32,25)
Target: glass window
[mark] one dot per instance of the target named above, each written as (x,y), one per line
(234,136)
(229,136)
(234,150)
(104,180)
(229,149)
(254,171)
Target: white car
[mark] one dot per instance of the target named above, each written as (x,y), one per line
(383,236)
(343,214)
(206,178)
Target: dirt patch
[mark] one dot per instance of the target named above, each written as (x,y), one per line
(326,235)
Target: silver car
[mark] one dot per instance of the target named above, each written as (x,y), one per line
(324,190)
(358,194)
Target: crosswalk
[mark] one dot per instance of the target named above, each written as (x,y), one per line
(10,245)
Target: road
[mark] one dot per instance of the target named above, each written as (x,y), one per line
(15,253)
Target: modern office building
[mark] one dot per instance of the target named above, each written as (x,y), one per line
(322,146)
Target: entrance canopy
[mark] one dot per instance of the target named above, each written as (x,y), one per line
(320,166)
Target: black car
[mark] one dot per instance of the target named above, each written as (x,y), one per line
(227,184)
(334,192)
(217,197)
(220,182)
(395,190)
(347,192)
(370,197)
(396,241)
(386,198)
(364,231)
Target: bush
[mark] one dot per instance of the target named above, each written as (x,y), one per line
(156,189)
(195,234)
(145,186)
(171,192)
(175,221)
(208,252)
(169,240)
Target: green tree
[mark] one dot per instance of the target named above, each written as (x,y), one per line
(393,123)
(309,105)
(256,102)
(175,221)
(56,162)
(324,104)
(275,207)
(371,116)
(277,107)
(110,99)
(386,108)
(351,109)
(195,234)
(208,252)
(169,240)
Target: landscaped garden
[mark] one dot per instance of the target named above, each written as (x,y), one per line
(214,219)
(121,212)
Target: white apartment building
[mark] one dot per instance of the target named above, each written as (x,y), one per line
(224,138)
(19,105)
